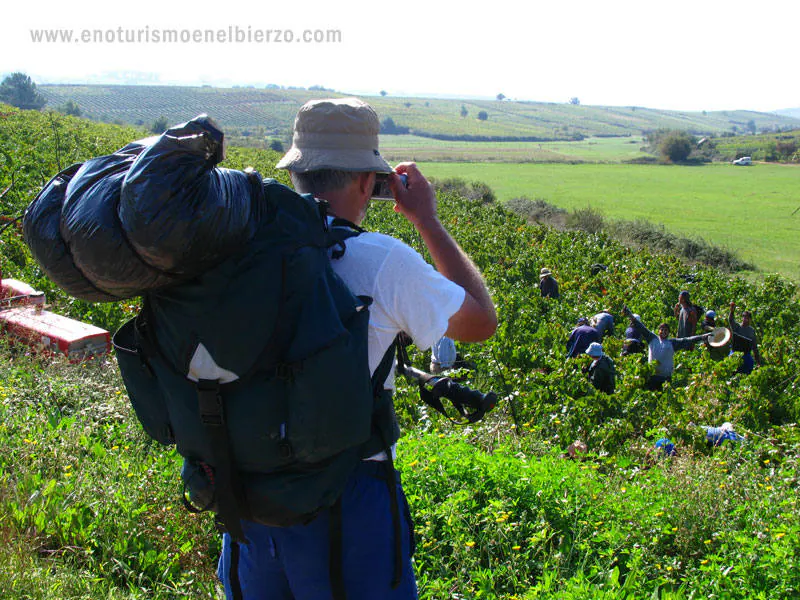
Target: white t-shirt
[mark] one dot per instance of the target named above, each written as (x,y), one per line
(664,352)
(408,294)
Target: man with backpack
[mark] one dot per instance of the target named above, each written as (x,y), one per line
(363,549)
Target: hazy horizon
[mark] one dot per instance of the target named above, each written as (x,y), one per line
(685,56)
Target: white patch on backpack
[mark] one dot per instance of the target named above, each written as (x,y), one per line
(204,367)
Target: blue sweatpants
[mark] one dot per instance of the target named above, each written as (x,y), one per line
(292,563)
(747,364)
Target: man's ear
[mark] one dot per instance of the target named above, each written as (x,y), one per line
(366,182)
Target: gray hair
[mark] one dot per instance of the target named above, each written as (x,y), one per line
(321,181)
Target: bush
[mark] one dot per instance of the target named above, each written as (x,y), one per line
(589,220)
(537,211)
(643,234)
(676,146)
(476,191)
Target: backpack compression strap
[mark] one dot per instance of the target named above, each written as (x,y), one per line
(229,492)
(385,432)
(230,496)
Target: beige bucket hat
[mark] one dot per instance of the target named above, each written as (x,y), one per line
(340,134)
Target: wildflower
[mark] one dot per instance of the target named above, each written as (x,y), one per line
(470,544)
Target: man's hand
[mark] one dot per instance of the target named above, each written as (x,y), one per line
(416,201)
(476,320)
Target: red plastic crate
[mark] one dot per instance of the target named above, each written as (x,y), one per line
(46,331)
(21,292)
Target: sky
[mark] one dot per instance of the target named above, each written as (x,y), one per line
(678,55)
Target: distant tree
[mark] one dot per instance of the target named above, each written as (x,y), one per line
(574,100)
(19,90)
(751,126)
(464,111)
(786,148)
(388,126)
(676,145)
(383,92)
(407,104)
(70,107)
(483,115)
(276,144)
(501,97)
(160,125)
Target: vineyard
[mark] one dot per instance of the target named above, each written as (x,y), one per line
(271,112)
(89,506)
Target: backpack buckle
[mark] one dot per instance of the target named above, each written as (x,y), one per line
(286,371)
(210,403)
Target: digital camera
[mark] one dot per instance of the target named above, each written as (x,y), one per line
(382,191)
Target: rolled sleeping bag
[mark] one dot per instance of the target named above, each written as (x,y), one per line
(91,229)
(179,211)
(41,227)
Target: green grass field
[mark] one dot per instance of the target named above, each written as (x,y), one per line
(748,210)
(594,149)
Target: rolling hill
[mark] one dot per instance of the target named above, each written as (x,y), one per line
(270,112)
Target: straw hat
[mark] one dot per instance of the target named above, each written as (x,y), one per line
(544,272)
(339,134)
(720,336)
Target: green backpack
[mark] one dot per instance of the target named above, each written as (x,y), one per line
(257,372)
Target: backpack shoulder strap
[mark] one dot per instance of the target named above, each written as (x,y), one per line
(339,231)
(385,430)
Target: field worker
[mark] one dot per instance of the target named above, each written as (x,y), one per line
(601,371)
(633,343)
(745,330)
(580,338)
(548,286)
(686,314)
(709,321)
(661,349)
(364,552)
(443,355)
(603,322)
